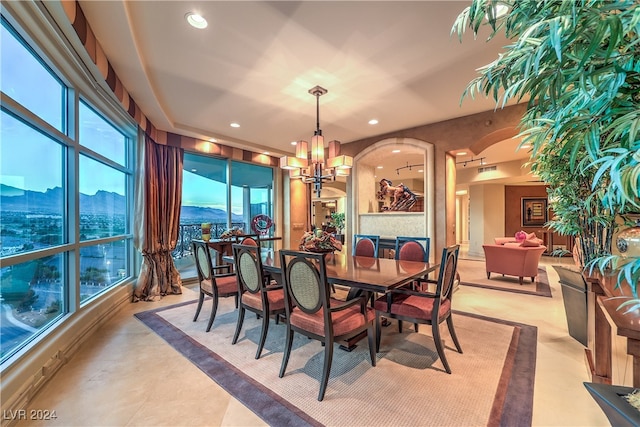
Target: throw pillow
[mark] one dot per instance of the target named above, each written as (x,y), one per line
(531,236)
(530,243)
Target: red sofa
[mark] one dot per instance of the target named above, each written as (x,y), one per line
(513,260)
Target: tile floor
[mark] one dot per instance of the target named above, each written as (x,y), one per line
(125,375)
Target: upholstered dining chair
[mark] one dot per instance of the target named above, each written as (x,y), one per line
(257,293)
(366,245)
(249,240)
(420,307)
(214,285)
(412,248)
(312,312)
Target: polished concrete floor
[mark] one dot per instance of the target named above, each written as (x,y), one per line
(125,375)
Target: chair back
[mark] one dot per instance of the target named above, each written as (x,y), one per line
(448,270)
(248,240)
(411,248)
(305,280)
(366,245)
(248,266)
(202,255)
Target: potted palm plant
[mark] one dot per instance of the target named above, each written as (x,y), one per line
(576,64)
(337,220)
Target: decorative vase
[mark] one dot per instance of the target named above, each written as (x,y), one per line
(628,242)
(206,231)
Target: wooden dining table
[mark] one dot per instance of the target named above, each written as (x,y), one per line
(368,274)
(361,274)
(222,247)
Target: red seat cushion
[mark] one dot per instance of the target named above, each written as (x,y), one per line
(227,284)
(344,321)
(276,299)
(412,306)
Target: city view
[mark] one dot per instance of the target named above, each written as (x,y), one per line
(31,293)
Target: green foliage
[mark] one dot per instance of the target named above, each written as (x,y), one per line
(577,66)
(337,219)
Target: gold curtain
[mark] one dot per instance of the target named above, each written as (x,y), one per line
(157,213)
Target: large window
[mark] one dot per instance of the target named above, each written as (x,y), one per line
(206,197)
(64,196)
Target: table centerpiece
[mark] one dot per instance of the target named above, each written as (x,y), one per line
(319,241)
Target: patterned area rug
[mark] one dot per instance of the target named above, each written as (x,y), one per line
(473,273)
(491,382)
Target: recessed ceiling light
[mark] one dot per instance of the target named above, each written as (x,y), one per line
(373,121)
(195,20)
(420,170)
(266,153)
(461,153)
(294,142)
(525,146)
(213,140)
(379,167)
(395,151)
(234,125)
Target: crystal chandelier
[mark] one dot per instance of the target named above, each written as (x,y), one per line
(313,168)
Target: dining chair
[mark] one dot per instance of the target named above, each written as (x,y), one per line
(366,245)
(421,307)
(216,286)
(258,293)
(249,240)
(310,310)
(412,248)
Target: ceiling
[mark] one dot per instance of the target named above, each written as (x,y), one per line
(254,64)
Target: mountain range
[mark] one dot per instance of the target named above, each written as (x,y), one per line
(14,199)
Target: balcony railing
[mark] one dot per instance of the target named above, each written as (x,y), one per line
(188,232)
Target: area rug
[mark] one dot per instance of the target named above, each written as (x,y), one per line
(491,382)
(473,273)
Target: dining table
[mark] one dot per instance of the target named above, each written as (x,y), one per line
(363,275)
(222,247)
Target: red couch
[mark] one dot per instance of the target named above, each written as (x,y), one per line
(513,260)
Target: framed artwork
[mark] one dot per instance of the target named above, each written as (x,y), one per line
(534,212)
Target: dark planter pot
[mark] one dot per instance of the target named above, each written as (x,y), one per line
(574,295)
(613,404)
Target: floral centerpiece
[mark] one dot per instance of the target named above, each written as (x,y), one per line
(231,233)
(319,241)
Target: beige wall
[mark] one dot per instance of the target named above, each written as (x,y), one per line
(486,216)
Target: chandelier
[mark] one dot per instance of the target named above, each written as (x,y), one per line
(312,167)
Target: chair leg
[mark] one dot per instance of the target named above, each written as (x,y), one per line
(400,326)
(488,275)
(372,352)
(236,299)
(521,280)
(214,308)
(287,351)
(452,332)
(200,300)
(326,370)
(263,334)
(238,325)
(439,346)
(416,327)
(378,332)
